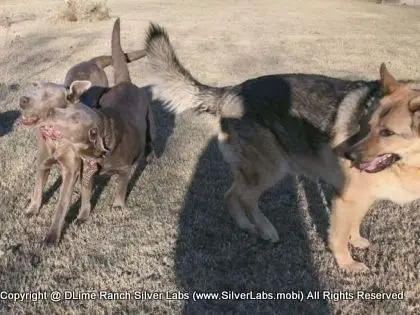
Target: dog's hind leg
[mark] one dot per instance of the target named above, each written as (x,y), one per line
(247,189)
(237,212)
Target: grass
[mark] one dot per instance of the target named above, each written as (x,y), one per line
(176,235)
(81,10)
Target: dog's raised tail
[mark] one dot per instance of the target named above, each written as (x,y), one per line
(121,73)
(105,61)
(171,82)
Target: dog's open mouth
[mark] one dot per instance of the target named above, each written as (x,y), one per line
(29,121)
(379,163)
(50,132)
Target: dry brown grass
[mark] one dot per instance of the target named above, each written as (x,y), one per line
(85,10)
(176,234)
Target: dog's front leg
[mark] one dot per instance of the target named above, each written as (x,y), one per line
(89,170)
(44,163)
(344,220)
(70,168)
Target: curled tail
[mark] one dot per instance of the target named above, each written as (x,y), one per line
(121,73)
(172,83)
(105,61)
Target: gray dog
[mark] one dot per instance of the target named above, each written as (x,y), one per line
(115,136)
(87,81)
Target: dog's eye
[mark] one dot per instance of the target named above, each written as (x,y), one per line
(386,133)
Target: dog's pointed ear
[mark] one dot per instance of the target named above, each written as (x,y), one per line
(388,82)
(76,89)
(97,140)
(414,107)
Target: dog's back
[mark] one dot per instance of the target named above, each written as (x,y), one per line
(93,71)
(303,111)
(89,71)
(127,104)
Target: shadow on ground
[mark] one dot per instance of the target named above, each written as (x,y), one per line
(32,52)
(7,120)
(214,255)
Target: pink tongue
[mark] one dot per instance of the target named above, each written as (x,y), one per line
(372,165)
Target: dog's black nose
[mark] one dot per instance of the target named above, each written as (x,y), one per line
(351,155)
(24,102)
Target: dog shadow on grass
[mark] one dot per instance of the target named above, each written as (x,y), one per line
(7,121)
(214,256)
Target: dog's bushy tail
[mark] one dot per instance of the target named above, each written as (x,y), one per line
(105,61)
(172,83)
(121,73)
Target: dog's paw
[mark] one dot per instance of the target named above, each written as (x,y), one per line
(51,239)
(81,220)
(247,226)
(83,216)
(32,210)
(270,234)
(355,267)
(151,157)
(360,242)
(119,208)
(119,205)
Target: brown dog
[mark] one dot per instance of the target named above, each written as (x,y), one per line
(114,136)
(388,167)
(35,108)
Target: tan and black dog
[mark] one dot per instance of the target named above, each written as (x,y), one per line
(276,125)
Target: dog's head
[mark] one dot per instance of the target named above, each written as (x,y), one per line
(394,129)
(45,96)
(79,124)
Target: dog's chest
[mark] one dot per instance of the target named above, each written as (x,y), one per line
(131,146)
(400,187)
(58,149)
(110,166)
(53,147)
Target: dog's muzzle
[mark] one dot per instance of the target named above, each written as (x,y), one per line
(378,164)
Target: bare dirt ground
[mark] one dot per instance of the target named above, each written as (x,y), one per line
(176,234)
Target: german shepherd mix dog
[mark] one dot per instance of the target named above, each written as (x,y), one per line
(276,125)
(87,81)
(115,136)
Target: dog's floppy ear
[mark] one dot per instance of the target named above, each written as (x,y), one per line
(76,89)
(97,140)
(388,82)
(414,107)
